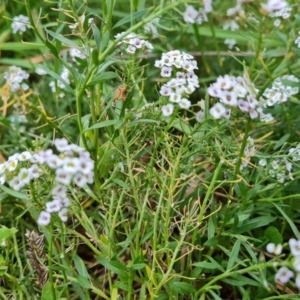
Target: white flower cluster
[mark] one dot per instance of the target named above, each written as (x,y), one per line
(14,78)
(74,52)
(20,24)
(280,92)
(281,169)
(151,27)
(297,41)
(236,92)
(134,43)
(192,16)
(295,153)
(277,9)
(65,76)
(249,152)
(235,13)
(73,164)
(185,83)
(284,274)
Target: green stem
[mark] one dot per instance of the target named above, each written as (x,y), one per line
(158,13)
(50,261)
(173,260)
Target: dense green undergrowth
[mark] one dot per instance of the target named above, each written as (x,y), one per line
(149,150)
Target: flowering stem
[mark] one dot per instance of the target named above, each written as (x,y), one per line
(79,94)
(229,273)
(165,278)
(159,11)
(241,154)
(50,253)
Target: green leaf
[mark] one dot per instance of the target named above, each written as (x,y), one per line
(113,266)
(143,121)
(240,280)
(62,39)
(182,287)
(291,223)
(213,242)
(97,36)
(234,254)
(281,141)
(273,235)
(130,18)
(13,193)
(80,266)
(206,265)
(83,282)
(47,293)
(106,124)
(254,223)
(103,77)
(138,266)
(105,40)
(6,233)
(121,183)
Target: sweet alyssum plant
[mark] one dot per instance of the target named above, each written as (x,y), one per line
(156,163)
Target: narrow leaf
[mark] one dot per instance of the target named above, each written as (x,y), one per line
(106,124)
(62,39)
(130,18)
(234,254)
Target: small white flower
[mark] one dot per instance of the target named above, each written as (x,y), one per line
(137,42)
(167,110)
(174,97)
(297,281)
(71,164)
(165,90)
(53,161)
(44,155)
(44,218)
(295,247)
(200,116)
(61,145)
(3,167)
(284,275)
(166,71)
(167,60)
(224,82)
(16,183)
(217,111)
(63,215)
(40,71)
(53,206)
(85,165)
(64,202)
(79,179)
(190,14)
(130,49)
(76,53)
(25,176)
(59,191)
(158,64)
(262,162)
(274,249)
(229,98)
(12,164)
(185,103)
(35,171)
(63,177)
(2,179)
(20,24)
(296,264)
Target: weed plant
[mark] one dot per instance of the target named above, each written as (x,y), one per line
(149,149)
